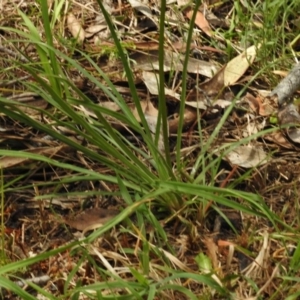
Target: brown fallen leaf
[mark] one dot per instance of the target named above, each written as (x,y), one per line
(189,117)
(259,105)
(173,61)
(279,139)
(11,161)
(253,102)
(94,29)
(229,74)
(213,86)
(212,252)
(238,65)
(151,80)
(75,28)
(200,21)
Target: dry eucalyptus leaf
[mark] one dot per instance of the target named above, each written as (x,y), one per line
(236,68)
(247,156)
(214,85)
(230,73)
(222,103)
(149,108)
(200,21)
(173,61)
(75,28)
(151,114)
(189,117)
(12,161)
(142,8)
(215,21)
(93,29)
(279,139)
(30,103)
(151,80)
(196,104)
(181,3)
(33,106)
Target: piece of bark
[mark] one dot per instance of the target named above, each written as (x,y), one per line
(288,115)
(288,86)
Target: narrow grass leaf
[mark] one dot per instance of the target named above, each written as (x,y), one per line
(14,288)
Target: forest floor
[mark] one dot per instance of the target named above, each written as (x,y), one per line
(225,226)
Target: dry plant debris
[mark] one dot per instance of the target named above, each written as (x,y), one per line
(214,82)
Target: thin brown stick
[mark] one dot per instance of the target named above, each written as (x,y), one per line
(14,54)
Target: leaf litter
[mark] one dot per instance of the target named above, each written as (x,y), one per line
(212,86)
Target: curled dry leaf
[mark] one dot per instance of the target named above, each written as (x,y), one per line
(75,28)
(290,115)
(259,105)
(200,21)
(189,117)
(280,139)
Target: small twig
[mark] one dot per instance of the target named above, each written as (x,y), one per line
(14,54)
(264,287)
(23,97)
(41,280)
(11,82)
